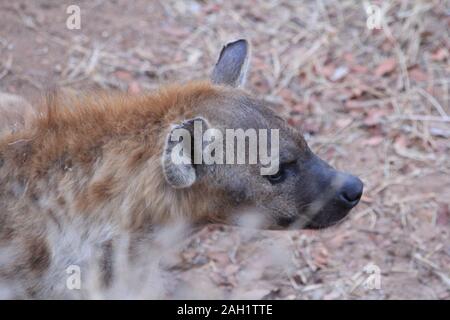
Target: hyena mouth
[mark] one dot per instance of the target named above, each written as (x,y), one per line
(317,225)
(286,222)
(334,212)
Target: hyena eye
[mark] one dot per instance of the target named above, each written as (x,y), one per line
(286,169)
(277,177)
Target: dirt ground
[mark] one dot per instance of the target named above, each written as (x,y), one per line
(372,102)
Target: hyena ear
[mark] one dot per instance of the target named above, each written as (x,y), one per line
(180,158)
(231,68)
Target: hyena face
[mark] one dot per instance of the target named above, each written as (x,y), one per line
(302,192)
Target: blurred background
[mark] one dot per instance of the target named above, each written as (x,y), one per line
(367,82)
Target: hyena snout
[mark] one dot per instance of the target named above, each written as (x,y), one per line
(335,194)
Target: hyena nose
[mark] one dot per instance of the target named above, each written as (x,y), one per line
(351,191)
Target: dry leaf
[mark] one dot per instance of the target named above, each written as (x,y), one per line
(357,68)
(255,294)
(123,75)
(374,141)
(439,55)
(134,87)
(443,214)
(417,74)
(343,122)
(220,258)
(326,70)
(386,67)
(374,117)
(320,257)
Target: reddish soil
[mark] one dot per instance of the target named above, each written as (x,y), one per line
(371,102)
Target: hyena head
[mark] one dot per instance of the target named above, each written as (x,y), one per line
(295,189)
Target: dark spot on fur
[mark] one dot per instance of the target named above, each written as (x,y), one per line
(23,150)
(6,231)
(39,255)
(61,201)
(34,197)
(137,158)
(103,190)
(96,193)
(106,266)
(65,163)
(53,217)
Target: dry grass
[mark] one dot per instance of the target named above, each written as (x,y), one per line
(373,102)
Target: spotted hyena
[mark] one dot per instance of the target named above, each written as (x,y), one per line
(79,172)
